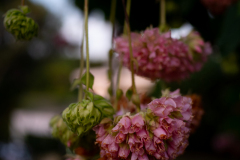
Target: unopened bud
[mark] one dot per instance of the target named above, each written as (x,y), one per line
(81,117)
(136,99)
(119,94)
(19,25)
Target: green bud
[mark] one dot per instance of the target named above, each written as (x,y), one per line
(119,94)
(61,132)
(81,117)
(19,25)
(175,114)
(136,99)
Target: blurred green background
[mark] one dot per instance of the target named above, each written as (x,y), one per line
(35,75)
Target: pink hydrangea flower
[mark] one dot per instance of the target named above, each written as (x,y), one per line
(160,131)
(159,56)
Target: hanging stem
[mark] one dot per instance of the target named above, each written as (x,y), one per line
(162,13)
(131,54)
(22,2)
(112,20)
(118,83)
(130,48)
(80,90)
(87,46)
(128,8)
(112,17)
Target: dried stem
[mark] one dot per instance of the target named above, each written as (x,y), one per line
(22,3)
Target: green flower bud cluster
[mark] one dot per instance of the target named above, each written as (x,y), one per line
(19,25)
(81,117)
(61,132)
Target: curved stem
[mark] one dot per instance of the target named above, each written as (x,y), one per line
(22,3)
(87,46)
(162,13)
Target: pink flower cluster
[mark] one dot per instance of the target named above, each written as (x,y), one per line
(158,56)
(158,133)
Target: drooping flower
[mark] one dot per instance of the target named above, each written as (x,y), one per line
(150,133)
(158,56)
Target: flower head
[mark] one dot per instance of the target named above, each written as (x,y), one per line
(155,132)
(158,55)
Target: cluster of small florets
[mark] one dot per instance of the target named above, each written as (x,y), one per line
(158,56)
(159,132)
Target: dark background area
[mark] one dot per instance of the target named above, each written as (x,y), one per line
(25,80)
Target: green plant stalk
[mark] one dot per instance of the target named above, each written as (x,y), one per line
(131,54)
(131,58)
(87,45)
(162,13)
(80,90)
(118,83)
(128,8)
(22,3)
(112,20)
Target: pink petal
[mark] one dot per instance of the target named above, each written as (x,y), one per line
(160,133)
(134,156)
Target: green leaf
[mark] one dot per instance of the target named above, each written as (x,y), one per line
(91,79)
(75,83)
(175,114)
(24,9)
(89,95)
(129,93)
